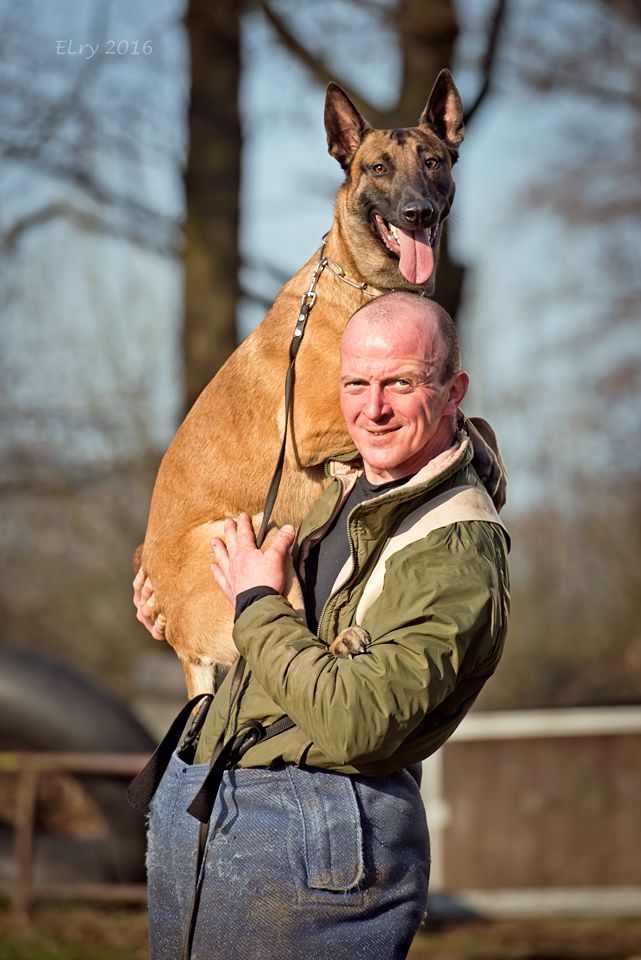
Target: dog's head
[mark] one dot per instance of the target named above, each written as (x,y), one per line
(399,186)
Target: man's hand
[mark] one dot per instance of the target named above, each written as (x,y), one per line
(144,602)
(240,565)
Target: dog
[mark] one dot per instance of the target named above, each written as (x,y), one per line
(389,217)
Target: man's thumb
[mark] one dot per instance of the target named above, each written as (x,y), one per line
(284,539)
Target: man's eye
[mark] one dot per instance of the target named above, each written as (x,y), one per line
(402,383)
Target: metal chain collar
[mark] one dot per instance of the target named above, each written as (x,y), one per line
(309,297)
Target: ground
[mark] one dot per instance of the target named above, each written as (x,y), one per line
(67,932)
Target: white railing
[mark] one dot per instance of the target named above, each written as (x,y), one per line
(508,725)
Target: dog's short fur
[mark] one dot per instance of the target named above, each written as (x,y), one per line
(220,462)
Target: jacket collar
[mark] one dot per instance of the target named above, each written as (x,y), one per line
(445,464)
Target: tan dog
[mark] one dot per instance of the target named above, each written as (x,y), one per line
(389,214)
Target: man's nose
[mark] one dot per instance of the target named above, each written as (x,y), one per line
(376,403)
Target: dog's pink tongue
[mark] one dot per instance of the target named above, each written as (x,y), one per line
(417,256)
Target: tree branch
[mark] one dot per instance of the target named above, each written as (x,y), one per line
(581,84)
(63,209)
(315,65)
(488,62)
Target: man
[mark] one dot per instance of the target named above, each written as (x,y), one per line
(318,845)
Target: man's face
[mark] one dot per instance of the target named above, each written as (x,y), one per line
(397,411)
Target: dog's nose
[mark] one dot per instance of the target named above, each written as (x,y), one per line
(418,214)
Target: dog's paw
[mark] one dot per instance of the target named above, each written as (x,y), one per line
(350,642)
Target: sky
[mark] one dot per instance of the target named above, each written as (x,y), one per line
(91,364)
(92,326)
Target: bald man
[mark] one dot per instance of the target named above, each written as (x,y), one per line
(318,843)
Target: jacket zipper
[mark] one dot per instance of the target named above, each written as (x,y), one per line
(352,551)
(451,471)
(352,557)
(317,532)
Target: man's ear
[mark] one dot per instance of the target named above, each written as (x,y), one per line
(344,125)
(458,389)
(443,112)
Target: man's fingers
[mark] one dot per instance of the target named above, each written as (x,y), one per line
(149,604)
(283,540)
(137,598)
(158,628)
(145,619)
(219,576)
(222,556)
(231,535)
(222,582)
(245,530)
(146,590)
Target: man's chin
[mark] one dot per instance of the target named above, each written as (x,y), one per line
(381,458)
(380,454)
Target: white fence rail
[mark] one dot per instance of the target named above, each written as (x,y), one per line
(540,810)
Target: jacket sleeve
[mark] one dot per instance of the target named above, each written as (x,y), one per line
(441,612)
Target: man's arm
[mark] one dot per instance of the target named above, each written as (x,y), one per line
(425,633)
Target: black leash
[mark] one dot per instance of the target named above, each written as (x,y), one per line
(307,302)
(144,785)
(142,788)
(227,753)
(251,734)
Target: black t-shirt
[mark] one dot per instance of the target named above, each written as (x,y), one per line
(327,558)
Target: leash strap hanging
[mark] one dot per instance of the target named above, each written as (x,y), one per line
(203,833)
(249,734)
(144,785)
(307,302)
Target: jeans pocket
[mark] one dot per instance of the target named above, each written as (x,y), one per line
(332,833)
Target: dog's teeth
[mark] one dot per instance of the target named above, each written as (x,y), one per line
(393,231)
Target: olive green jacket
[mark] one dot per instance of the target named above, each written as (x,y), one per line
(437,630)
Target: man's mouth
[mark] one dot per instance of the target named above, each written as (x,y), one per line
(382,433)
(414,248)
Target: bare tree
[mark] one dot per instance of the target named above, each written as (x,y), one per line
(212,184)
(60,131)
(575,636)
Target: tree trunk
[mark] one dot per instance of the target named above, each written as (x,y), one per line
(212,182)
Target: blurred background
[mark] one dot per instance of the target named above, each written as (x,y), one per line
(164,172)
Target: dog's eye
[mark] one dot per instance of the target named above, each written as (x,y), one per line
(432,163)
(379,168)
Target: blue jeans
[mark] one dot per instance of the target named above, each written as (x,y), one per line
(300,863)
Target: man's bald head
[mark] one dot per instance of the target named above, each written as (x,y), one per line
(406,318)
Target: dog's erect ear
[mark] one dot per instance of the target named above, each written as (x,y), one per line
(344,125)
(444,111)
